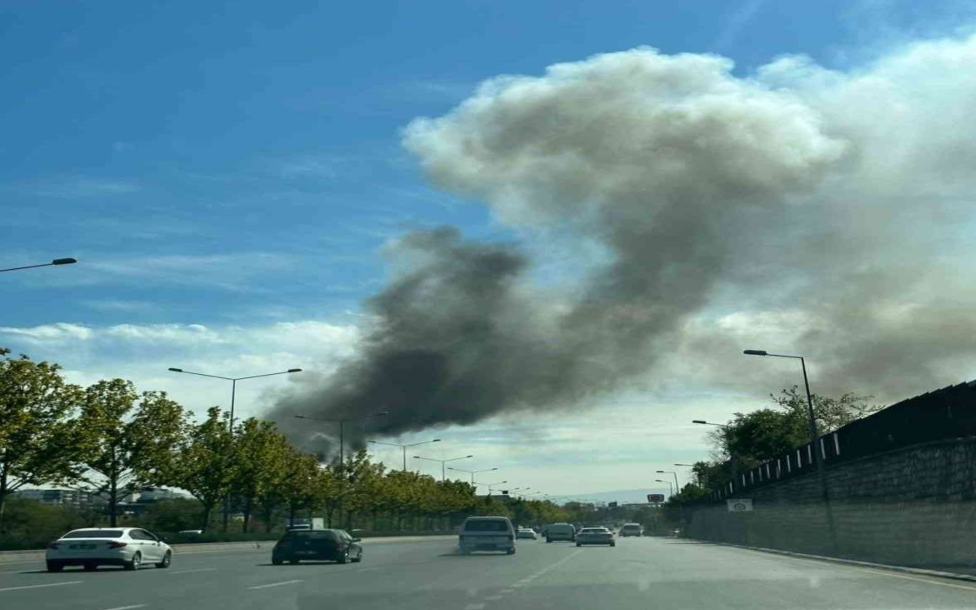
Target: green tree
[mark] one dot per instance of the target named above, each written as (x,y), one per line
(37,439)
(261,456)
(172,515)
(305,484)
(127,443)
(204,466)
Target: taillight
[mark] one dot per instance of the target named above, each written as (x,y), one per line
(117,545)
(54,546)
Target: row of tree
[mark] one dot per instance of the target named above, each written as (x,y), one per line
(112,440)
(750,439)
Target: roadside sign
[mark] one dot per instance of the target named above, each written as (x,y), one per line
(655,498)
(739,506)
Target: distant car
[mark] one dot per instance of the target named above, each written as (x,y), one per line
(560,531)
(526,532)
(631,529)
(316,545)
(487,534)
(129,547)
(595,535)
(190,532)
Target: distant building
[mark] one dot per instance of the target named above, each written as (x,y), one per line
(62,497)
(155,494)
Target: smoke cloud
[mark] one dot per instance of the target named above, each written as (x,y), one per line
(796,209)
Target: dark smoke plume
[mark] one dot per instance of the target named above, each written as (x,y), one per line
(797,209)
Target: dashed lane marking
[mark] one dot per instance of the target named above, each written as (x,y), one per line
(129,607)
(53,584)
(474,607)
(276,584)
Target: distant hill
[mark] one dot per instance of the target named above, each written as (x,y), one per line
(621,496)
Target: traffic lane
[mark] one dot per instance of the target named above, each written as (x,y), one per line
(190,578)
(642,572)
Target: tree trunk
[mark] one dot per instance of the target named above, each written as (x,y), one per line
(205,517)
(3,496)
(248,506)
(113,492)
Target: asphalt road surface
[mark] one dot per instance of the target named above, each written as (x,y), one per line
(638,574)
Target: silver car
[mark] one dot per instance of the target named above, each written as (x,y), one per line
(595,535)
(129,547)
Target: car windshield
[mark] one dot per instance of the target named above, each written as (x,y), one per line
(94,534)
(403,277)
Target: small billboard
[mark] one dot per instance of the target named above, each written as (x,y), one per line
(655,498)
(739,506)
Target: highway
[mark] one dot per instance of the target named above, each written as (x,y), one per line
(639,573)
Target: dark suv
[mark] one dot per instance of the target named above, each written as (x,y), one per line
(316,545)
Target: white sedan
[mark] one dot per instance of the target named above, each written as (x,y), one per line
(129,547)
(526,532)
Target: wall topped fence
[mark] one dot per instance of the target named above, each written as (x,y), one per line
(944,414)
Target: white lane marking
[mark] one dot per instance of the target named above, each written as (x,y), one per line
(517,585)
(474,607)
(129,607)
(507,591)
(276,584)
(194,571)
(916,579)
(558,563)
(53,584)
(493,598)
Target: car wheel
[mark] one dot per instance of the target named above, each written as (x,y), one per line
(510,552)
(578,544)
(275,561)
(293,562)
(548,539)
(358,558)
(167,559)
(344,558)
(613,544)
(135,562)
(89,567)
(53,566)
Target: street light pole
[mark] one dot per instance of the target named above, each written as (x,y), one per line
(342,446)
(472,472)
(404,448)
(233,398)
(670,486)
(57,261)
(814,437)
(233,383)
(489,485)
(675,474)
(732,456)
(443,463)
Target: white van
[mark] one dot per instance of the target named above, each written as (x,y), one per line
(487,534)
(560,531)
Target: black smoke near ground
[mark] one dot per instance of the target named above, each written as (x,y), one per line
(797,209)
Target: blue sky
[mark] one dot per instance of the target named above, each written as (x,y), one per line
(228,173)
(194,157)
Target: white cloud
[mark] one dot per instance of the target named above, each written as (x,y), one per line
(50,333)
(143,353)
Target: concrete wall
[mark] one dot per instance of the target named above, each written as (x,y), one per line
(914,506)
